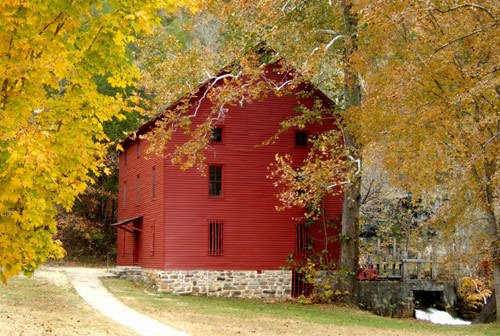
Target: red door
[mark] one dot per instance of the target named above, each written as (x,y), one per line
(135,260)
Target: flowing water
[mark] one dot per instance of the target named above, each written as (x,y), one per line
(438,317)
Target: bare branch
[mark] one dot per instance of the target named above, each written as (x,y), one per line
(214,79)
(50,23)
(462,38)
(274,86)
(358,170)
(333,41)
(490,140)
(358,164)
(328,31)
(442,11)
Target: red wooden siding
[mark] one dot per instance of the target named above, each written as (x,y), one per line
(138,169)
(254,235)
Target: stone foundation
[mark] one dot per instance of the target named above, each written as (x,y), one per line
(243,284)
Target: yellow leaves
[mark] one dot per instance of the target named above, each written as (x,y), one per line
(51,112)
(119,147)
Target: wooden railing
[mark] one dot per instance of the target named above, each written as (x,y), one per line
(405,269)
(394,264)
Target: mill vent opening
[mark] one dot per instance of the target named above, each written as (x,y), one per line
(429,299)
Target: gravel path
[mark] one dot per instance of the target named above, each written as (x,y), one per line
(87,284)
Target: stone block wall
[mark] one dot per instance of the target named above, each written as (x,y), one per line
(244,284)
(396,298)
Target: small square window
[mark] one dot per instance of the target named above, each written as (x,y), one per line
(300,138)
(215,181)
(215,237)
(216,135)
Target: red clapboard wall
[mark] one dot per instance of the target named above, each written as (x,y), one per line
(184,228)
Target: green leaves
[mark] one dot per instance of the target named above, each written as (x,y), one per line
(52,113)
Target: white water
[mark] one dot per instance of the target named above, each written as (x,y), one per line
(438,317)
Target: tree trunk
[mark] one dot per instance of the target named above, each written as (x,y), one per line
(349,236)
(485,184)
(352,193)
(496,276)
(487,313)
(490,168)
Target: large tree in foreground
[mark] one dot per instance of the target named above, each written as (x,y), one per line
(51,111)
(431,106)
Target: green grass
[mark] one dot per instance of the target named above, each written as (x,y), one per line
(326,315)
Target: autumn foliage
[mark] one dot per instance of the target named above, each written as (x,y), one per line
(51,111)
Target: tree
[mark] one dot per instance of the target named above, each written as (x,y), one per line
(51,112)
(431,105)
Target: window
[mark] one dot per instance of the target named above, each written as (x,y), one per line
(215,238)
(301,239)
(153,182)
(152,227)
(138,193)
(124,194)
(300,138)
(215,181)
(300,179)
(300,286)
(138,148)
(216,135)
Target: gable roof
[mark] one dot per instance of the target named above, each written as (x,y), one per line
(144,128)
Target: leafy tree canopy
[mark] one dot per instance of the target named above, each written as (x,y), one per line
(52,113)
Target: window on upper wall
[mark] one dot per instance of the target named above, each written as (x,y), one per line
(138,192)
(138,148)
(215,237)
(301,239)
(153,182)
(300,138)
(124,194)
(299,178)
(215,181)
(216,135)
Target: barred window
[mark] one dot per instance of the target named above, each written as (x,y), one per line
(301,239)
(215,233)
(124,194)
(153,182)
(300,286)
(138,191)
(153,237)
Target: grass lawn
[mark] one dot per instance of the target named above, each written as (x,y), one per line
(48,305)
(221,316)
